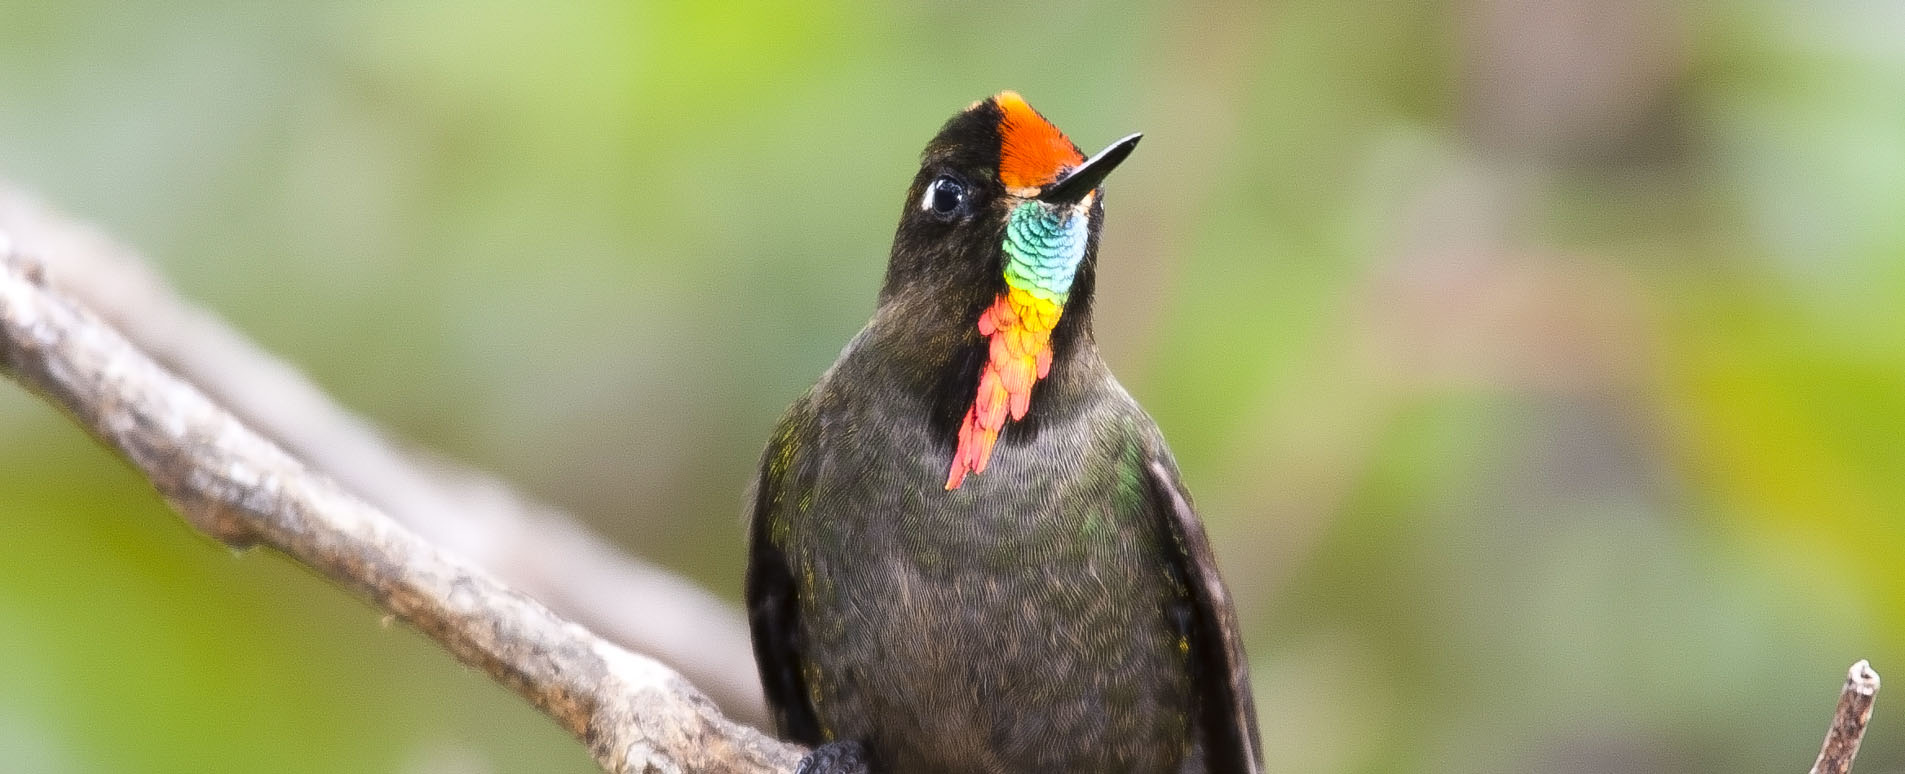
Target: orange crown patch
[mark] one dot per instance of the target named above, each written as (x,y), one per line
(1031,150)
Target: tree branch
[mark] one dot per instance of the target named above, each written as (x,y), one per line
(1848,722)
(534,548)
(234,484)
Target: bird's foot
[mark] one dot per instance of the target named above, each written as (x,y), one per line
(835,758)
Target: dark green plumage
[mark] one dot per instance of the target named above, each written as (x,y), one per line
(1058,612)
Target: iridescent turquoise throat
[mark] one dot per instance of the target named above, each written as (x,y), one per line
(1043,247)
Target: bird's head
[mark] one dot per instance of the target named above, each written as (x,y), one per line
(995,247)
(1000,188)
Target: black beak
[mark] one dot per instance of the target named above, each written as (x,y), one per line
(1085,179)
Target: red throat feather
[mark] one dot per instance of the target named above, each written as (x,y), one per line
(1019,327)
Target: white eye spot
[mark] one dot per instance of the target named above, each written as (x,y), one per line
(945,197)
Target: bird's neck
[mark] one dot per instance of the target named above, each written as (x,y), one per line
(941,349)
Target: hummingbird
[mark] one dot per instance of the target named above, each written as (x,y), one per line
(969,548)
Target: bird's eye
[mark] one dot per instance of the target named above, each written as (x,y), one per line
(945,197)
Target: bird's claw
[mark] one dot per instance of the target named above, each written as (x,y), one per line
(835,758)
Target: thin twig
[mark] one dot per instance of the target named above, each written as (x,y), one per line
(1848,722)
(532,547)
(634,714)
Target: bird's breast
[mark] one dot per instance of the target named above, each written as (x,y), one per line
(980,623)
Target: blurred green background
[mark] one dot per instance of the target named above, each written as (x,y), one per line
(1539,366)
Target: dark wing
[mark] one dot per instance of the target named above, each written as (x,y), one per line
(1226,719)
(773,604)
